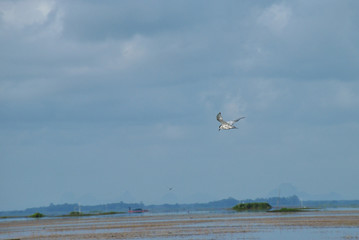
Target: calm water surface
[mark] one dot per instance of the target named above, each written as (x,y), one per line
(95,225)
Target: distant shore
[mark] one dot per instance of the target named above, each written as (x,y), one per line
(276,202)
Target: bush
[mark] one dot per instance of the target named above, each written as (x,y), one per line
(255,206)
(37,215)
(76,214)
(289,210)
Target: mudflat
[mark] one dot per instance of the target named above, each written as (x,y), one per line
(180,226)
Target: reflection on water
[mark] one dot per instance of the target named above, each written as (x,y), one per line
(193,225)
(276,234)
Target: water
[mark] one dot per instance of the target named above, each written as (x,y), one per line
(275,234)
(175,226)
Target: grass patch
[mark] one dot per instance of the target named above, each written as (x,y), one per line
(285,210)
(255,206)
(80,214)
(4,217)
(37,215)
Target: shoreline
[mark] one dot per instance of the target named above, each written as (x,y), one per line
(172,226)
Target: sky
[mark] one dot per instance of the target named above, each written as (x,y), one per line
(109,101)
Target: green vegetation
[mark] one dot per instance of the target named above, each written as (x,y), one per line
(80,214)
(109,213)
(288,210)
(5,217)
(254,206)
(37,215)
(76,214)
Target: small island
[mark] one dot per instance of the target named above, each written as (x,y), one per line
(254,206)
(37,215)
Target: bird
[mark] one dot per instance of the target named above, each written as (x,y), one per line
(226,125)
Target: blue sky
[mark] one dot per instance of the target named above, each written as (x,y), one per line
(116,101)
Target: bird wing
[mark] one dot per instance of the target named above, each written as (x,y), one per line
(220,118)
(234,121)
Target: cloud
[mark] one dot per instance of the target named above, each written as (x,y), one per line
(267,92)
(133,84)
(125,19)
(293,40)
(170,131)
(20,14)
(233,105)
(346,97)
(275,17)
(27,90)
(342,95)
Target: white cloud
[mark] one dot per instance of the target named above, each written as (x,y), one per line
(341,95)
(234,105)
(345,97)
(276,17)
(20,14)
(130,53)
(24,91)
(266,92)
(228,100)
(170,132)
(100,75)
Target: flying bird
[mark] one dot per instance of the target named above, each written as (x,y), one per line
(226,125)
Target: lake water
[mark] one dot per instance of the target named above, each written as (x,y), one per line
(321,225)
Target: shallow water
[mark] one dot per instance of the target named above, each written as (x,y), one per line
(276,234)
(195,225)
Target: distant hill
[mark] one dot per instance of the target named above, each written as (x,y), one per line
(288,189)
(62,209)
(292,201)
(224,203)
(332,203)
